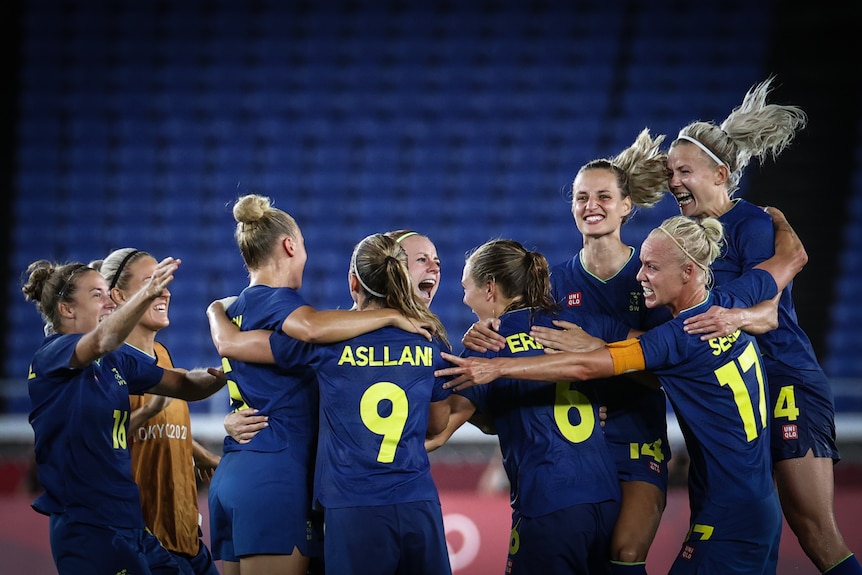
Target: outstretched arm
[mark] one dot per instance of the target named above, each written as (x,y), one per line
(567,366)
(194,385)
(110,333)
(568,336)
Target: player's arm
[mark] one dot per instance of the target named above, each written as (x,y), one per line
(566,366)
(251,346)
(454,412)
(111,332)
(482,336)
(205,461)
(153,406)
(244,424)
(569,337)
(193,385)
(788,260)
(310,325)
(790,255)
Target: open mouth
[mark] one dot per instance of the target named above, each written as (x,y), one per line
(683,198)
(426,287)
(647,291)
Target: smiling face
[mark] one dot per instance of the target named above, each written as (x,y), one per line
(156,316)
(598,205)
(91,303)
(697,183)
(424,266)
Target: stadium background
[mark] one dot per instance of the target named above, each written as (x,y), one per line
(138,123)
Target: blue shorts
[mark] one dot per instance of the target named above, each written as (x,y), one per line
(802,412)
(732,540)
(572,540)
(636,430)
(96,549)
(401,539)
(260,504)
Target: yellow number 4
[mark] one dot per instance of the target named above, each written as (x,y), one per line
(785,405)
(649,449)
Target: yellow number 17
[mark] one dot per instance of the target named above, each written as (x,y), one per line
(730,374)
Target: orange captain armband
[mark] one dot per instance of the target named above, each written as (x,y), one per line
(627,356)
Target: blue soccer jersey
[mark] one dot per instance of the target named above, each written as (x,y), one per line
(80,420)
(553,448)
(374,395)
(372,468)
(288,396)
(636,425)
(749,240)
(801,400)
(718,391)
(260,495)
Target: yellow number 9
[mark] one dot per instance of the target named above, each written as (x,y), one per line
(391,426)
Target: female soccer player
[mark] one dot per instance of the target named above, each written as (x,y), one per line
(79,384)
(706,163)
(372,469)
(716,387)
(563,481)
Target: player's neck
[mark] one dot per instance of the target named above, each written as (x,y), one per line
(604,256)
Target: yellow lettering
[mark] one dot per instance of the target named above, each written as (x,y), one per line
(720,345)
(383,357)
(520,342)
(424,356)
(346,356)
(238,321)
(406,357)
(361,353)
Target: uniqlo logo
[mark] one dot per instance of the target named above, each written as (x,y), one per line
(655,466)
(687,552)
(790,431)
(508,566)
(574,299)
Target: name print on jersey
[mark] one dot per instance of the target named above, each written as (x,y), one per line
(720,345)
(521,342)
(382,356)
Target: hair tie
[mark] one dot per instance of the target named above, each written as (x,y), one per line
(706,150)
(679,245)
(123,263)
